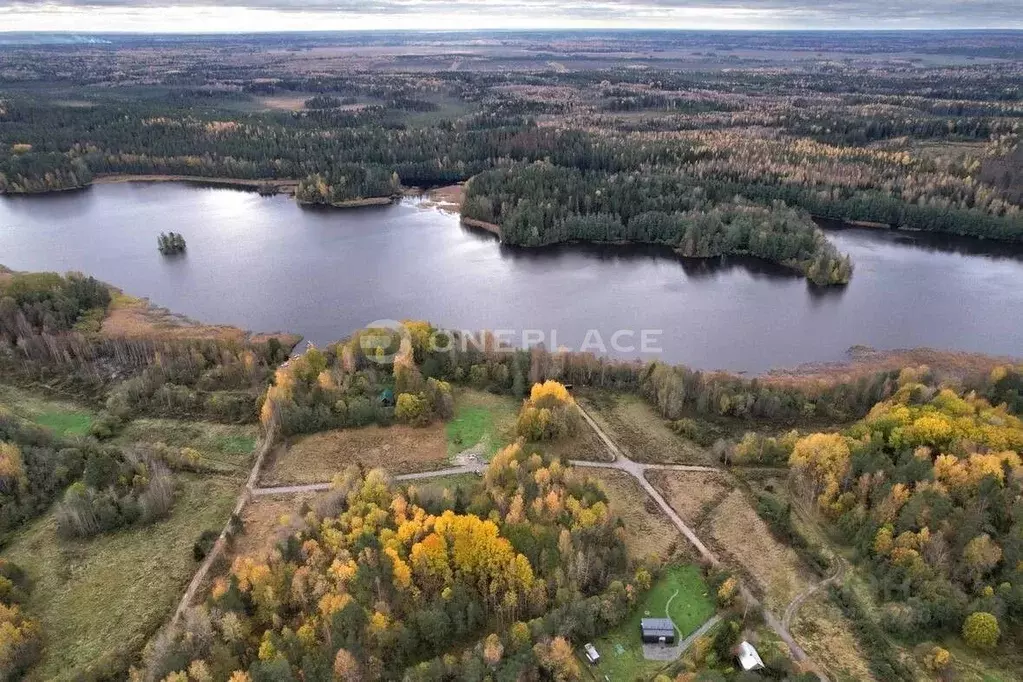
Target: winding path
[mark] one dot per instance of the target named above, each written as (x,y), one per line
(793,608)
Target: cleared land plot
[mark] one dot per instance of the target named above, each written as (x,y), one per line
(264,520)
(640,432)
(691,494)
(647,530)
(481,419)
(621,650)
(60,417)
(225,448)
(398,449)
(827,636)
(584,445)
(99,600)
(743,537)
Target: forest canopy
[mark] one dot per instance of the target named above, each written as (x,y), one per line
(377,582)
(927,488)
(543,204)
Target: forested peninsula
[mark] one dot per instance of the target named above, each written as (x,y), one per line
(542,204)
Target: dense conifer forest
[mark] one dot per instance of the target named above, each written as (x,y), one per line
(926,146)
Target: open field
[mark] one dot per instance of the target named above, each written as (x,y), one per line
(61,417)
(621,650)
(827,636)
(639,431)
(648,532)
(1003,665)
(99,600)
(320,457)
(262,521)
(744,539)
(225,448)
(863,361)
(724,517)
(481,419)
(584,445)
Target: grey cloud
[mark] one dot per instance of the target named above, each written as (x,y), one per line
(837,13)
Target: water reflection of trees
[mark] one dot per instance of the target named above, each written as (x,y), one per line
(819,295)
(930,242)
(694,268)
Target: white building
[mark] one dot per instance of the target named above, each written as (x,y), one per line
(748,657)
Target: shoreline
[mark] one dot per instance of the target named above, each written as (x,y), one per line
(288,187)
(351,203)
(492,228)
(137,317)
(861,361)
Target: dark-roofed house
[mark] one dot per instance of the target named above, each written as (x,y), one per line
(657,630)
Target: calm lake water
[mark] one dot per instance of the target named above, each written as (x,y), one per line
(264,263)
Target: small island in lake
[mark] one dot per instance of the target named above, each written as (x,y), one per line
(171,243)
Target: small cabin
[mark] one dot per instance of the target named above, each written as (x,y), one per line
(748,657)
(657,630)
(387,398)
(591,653)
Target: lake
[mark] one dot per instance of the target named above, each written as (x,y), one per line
(266,264)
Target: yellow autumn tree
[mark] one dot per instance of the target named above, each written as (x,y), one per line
(822,460)
(493,650)
(981,631)
(549,413)
(346,667)
(980,555)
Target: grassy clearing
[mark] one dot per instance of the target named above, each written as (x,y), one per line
(225,448)
(320,457)
(640,432)
(647,530)
(827,636)
(263,521)
(585,445)
(621,651)
(481,419)
(747,543)
(1003,665)
(99,600)
(61,417)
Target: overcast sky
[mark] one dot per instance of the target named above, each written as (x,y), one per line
(281,15)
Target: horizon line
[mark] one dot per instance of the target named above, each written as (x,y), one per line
(607,29)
